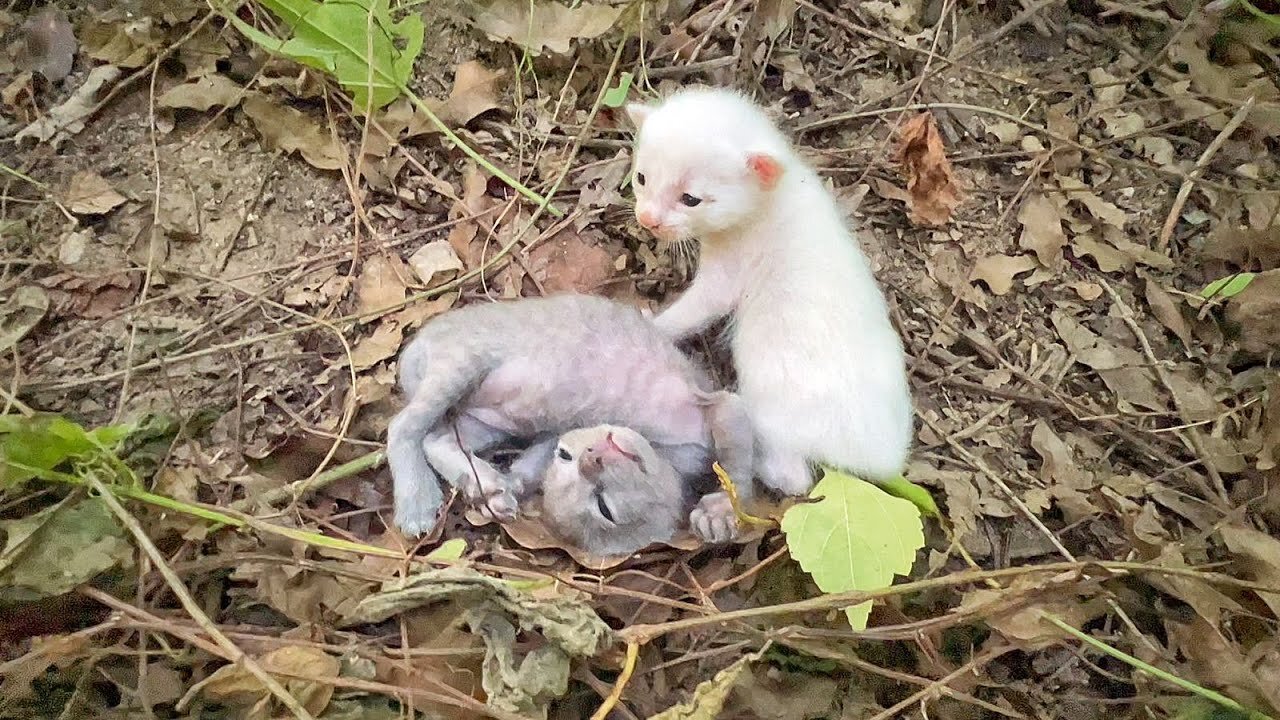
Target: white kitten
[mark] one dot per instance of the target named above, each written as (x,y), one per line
(820,368)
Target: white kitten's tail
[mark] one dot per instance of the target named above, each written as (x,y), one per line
(434,382)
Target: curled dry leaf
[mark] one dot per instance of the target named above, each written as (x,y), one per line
(67,119)
(568,262)
(549,24)
(998,271)
(288,130)
(930,180)
(90,194)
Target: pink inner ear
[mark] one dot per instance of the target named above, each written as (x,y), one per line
(766,169)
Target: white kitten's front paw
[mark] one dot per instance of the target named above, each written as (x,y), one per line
(713,519)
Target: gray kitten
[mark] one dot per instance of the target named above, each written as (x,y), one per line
(533,369)
(609,491)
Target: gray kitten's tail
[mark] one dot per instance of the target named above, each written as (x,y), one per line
(433,383)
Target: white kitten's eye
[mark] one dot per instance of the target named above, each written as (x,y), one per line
(604,509)
(690,200)
(640,178)
(563,454)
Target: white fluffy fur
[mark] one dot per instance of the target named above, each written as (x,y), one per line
(820,367)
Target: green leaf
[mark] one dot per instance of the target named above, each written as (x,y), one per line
(1229,286)
(617,95)
(44,442)
(356,41)
(916,495)
(449,550)
(856,537)
(51,552)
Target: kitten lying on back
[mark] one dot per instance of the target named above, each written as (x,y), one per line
(532,369)
(609,492)
(820,368)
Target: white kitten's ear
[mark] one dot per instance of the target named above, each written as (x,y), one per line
(638,112)
(766,169)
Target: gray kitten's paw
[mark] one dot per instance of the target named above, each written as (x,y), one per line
(415,515)
(501,506)
(713,519)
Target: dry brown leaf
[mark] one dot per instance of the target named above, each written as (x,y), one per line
(1269,434)
(435,262)
(1124,370)
(382,344)
(1058,461)
(1197,403)
(1216,662)
(1258,555)
(1021,622)
(1086,290)
(1108,258)
(1205,599)
(1077,191)
(90,194)
(567,262)
(288,130)
(204,93)
(930,180)
(233,685)
(47,45)
(381,283)
(1042,231)
(998,271)
(549,25)
(474,92)
(1257,311)
(1167,310)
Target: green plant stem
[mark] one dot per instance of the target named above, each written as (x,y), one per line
(297,490)
(22,176)
(231,518)
(1153,670)
(1265,17)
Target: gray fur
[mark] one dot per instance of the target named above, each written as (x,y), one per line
(618,507)
(535,369)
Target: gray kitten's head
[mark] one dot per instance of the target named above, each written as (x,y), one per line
(610,493)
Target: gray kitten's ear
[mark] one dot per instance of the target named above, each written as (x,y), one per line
(638,112)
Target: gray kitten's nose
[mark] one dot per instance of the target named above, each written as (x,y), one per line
(591,462)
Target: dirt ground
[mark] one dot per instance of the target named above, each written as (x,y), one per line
(207,241)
